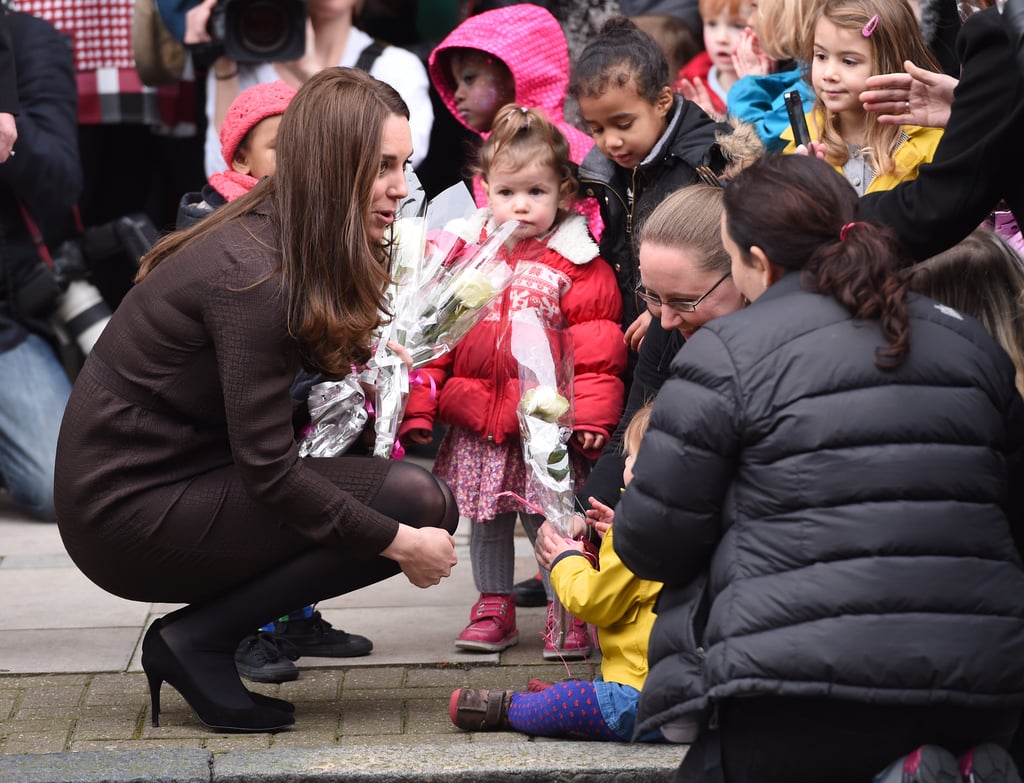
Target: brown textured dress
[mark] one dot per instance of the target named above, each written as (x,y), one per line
(177,470)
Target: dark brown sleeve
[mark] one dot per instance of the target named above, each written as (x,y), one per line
(256,363)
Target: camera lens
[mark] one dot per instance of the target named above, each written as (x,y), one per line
(84,313)
(263,27)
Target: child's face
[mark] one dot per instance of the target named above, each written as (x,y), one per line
(256,155)
(840,67)
(624,125)
(629,461)
(483,84)
(721,34)
(530,194)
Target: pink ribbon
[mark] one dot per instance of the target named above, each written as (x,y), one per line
(416,379)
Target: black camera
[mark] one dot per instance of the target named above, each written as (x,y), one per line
(67,292)
(259,31)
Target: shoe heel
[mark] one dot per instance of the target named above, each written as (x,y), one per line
(155,681)
(162,664)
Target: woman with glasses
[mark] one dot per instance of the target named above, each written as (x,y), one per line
(685,282)
(840,464)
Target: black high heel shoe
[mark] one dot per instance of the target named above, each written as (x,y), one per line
(258,698)
(160,664)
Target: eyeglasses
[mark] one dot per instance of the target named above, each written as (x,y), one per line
(679,305)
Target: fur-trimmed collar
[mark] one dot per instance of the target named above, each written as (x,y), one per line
(571,239)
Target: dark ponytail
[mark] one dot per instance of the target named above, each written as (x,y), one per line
(803,215)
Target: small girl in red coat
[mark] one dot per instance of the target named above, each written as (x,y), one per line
(528,177)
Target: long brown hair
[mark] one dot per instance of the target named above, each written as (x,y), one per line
(983,277)
(333,275)
(803,214)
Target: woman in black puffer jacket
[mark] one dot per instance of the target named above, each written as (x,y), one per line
(841,460)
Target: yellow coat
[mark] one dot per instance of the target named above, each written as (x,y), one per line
(918,148)
(615,600)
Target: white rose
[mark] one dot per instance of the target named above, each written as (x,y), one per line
(544,402)
(473,289)
(408,236)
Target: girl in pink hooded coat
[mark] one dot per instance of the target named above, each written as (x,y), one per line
(524,46)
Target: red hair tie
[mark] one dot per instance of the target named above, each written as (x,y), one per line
(844,230)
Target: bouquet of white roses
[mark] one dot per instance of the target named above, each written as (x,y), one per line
(443,285)
(545,414)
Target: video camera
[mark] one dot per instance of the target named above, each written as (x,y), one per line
(259,31)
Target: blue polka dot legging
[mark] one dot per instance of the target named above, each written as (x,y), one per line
(566,709)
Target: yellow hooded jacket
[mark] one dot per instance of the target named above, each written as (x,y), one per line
(917,148)
(615,600)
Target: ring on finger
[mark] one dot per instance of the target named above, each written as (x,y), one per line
(908,107)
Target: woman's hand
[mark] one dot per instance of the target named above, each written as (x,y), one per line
(550,545)
(748,59)
(589,441)
(917,97)
(697,92)
(600,516)
(196,20)
(401,351)
(636,331)
(425,555)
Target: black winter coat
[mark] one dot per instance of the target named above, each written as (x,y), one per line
(980,158)
(627,196)
(856,525)
(45,176)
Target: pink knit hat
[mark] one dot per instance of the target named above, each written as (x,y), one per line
(251,107)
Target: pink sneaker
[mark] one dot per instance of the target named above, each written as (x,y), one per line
(492,624)
(573,645)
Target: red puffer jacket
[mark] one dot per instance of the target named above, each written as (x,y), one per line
(565,280)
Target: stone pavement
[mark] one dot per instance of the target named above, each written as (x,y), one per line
(74,704)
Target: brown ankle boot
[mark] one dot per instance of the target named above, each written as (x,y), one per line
(478,709)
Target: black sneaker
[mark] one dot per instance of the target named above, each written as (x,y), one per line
(260,658)
(530,592)
(315,636)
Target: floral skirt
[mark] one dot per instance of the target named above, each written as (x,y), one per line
(477,470)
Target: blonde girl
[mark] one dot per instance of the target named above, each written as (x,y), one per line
(855,39)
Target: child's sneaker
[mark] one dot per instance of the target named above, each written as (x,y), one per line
(478,709)
(492,624)
(988,763)
(927,764)
(573,645)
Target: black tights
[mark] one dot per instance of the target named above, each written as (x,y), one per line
(205,634)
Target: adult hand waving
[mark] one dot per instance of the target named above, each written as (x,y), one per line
(917,97)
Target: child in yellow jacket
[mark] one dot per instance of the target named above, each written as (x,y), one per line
(618,603)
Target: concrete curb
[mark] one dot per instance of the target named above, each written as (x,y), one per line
(529,761)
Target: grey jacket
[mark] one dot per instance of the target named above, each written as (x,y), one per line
(857,527)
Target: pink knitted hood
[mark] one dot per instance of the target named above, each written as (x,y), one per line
(529,40)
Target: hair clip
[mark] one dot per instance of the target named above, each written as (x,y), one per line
(870,26)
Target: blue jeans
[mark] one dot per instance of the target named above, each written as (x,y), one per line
(34,390)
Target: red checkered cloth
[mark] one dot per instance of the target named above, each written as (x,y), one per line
(109,88)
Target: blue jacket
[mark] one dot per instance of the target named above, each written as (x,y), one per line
(758,100)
